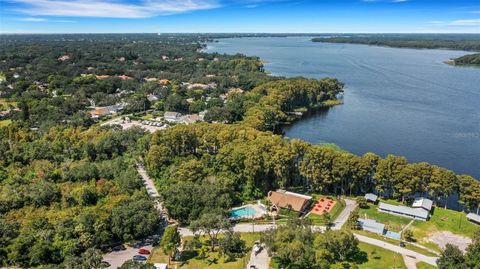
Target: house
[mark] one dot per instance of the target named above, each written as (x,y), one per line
(124,77)
(286,199)
(147,79)
(234,91)
(164,82)
(423,203)
(404,211)
(370,197)
(189,119)
(63,58)
(99,112)
(372,226)
(172,116)
(152,97)
(473,218)
(102,76)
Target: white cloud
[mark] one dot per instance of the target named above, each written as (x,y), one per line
(33,19)
(468,22)
(110,9)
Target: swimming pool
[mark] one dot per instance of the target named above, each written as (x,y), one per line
(243,212)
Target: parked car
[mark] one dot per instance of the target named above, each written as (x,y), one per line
(402,244)
(139,258)
(137,245)
(257,248)
(144,251)
(105,264)
(118,248)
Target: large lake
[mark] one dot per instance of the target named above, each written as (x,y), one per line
(399,101)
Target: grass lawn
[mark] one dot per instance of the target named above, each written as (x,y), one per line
(378,258)
(445,220)
(424,265)
(214,260)
(5,122)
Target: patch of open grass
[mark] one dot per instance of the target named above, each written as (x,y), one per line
(380,258)
(393,223)
(424,265)
(214,259)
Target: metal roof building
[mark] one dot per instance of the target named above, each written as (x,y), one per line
(370,197)
(473,218)
(423,203)
(414,213)
(372,226)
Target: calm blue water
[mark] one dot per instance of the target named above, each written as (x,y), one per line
(399,101)
(244,212)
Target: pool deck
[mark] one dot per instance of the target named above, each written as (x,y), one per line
(260,211)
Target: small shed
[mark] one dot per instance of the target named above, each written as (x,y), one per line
(473,218)
(370,197)
(160,266)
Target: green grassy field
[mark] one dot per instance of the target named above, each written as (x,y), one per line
(424,265)
(214,260)
(378,258)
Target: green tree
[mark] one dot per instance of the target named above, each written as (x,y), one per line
(170,241)
(211,224)
(451,258)
(232,246)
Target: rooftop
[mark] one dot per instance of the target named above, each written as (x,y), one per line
(283,199)
(416,212)
(423,203)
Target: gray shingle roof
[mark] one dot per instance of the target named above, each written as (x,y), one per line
(474,217)
(372,225)
(371,197)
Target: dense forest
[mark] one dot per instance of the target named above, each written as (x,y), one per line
(69,186)
(468,42)
(471,59)
(210,167)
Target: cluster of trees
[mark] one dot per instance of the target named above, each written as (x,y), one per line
(452,257)
(209,167)
(68,191)
(471,59)
(468,42)
(295,245)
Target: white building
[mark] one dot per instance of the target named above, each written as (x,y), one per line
(404,211)
(423,203)
(172,116)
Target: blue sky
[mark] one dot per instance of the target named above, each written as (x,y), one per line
(275,16)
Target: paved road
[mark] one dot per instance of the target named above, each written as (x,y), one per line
(116,259)
(350,205)
(410,262)
(397,249)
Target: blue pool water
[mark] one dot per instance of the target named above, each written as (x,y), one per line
(393,235)
(244,212)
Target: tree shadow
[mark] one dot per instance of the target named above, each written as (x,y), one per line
(360,257)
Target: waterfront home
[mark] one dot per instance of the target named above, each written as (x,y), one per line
(423,203)
(404,211)
(286,199)
(172,116)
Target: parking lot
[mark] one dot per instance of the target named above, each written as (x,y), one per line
(116,259)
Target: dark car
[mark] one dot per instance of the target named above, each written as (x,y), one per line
(139,258)
(118,248)
(105,264)
(402,244)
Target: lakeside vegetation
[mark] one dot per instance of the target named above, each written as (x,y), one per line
(471,59)
(69,186)
(468,42)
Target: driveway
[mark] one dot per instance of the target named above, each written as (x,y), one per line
(116,259)
(260,261)
(350,205)
(406,252)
